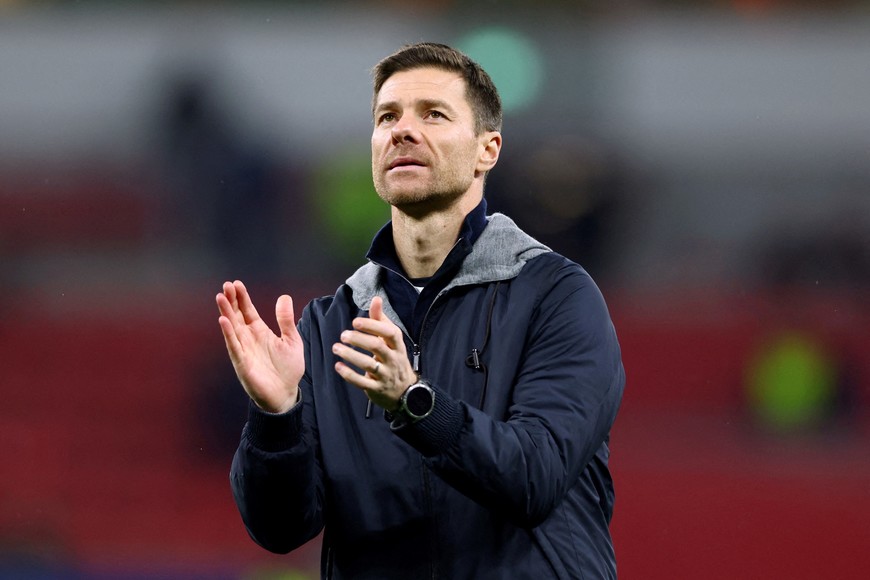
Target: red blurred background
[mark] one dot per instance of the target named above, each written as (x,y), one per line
(708,163)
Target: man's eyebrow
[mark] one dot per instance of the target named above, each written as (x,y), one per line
(422,103)
(388,105)
(435,104)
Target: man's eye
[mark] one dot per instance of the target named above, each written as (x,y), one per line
(436,114)
(386,117)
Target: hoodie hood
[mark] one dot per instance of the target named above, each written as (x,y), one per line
(499,253)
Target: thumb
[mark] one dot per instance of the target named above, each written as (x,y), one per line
(284,315)
(376,310)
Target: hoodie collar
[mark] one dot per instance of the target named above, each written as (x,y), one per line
(499,254)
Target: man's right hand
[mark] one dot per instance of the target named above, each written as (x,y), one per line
(268,366)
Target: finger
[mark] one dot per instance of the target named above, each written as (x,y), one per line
(224,305)
(246,307)
(383,328)
(386,328)
(233,315)
(361,360)
(230,293)
(356,379)
(376,310)
(377,321)
(234,347)
(285,317)
(369,342)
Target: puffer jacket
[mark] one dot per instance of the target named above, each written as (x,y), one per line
(507,478)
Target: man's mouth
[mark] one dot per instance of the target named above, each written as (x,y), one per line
(405,162)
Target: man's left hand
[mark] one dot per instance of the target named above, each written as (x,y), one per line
(383,359)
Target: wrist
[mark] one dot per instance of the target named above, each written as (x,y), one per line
(282,408)
(415,404)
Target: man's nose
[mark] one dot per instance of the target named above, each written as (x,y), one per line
(405,130)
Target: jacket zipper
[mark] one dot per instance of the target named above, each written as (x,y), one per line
(416,355)
(416,348)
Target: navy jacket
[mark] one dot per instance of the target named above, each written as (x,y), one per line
(507,478)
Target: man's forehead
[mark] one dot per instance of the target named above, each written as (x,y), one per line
(422,83)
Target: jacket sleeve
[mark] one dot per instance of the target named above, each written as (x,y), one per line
(276,477)
(567,392)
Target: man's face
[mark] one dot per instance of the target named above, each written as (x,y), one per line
(424,147)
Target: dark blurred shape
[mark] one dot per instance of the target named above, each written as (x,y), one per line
(837,257)
(805,377)
(567,193)
(226,203)
(224,192)
(221,407)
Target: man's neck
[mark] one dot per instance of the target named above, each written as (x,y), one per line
(423,242)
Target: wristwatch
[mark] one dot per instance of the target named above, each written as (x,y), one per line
(417,402)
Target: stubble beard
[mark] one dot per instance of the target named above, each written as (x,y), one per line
(420,197)
(439,191)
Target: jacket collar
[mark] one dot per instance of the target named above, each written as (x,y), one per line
(500,251)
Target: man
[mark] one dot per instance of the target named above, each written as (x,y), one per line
(491,359)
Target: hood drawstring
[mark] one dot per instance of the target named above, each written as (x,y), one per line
(473,360)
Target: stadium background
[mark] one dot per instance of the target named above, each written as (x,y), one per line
(709,162)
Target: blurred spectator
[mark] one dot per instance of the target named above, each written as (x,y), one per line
(225,195)
(567,193)
(226,201)
(835,255)
(805,378)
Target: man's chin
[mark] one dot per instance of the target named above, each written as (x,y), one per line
(399,196)
(420,203)
(405,198)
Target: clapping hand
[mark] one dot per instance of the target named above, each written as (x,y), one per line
(268,366)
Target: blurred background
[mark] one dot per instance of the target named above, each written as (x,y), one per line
(707,161)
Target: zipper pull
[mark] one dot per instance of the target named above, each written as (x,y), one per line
(416,359)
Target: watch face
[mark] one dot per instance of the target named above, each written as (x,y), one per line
(419,401)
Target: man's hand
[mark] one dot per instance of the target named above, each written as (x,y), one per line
(268,366)
(387,373)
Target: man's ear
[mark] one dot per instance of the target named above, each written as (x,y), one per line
(491,141)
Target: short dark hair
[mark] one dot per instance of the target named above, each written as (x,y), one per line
(479,88)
